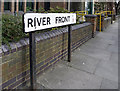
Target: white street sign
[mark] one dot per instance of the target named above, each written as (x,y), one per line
(39,21)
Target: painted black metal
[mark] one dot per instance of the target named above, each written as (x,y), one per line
(32,49)
(69,43)
(23,23)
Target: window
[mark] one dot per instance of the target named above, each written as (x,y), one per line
(20,6)
(6,5)
(47,6)
(30,6)
(37,8)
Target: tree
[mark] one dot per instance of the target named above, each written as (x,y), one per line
(100,6)
(117,7)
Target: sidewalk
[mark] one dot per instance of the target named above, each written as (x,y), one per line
(94,65)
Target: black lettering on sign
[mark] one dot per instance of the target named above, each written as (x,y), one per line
(68,18)
(35,22)
(59,20)
(56,19)
(48,20)
(44,18)
(30,21)
(39,21)
(62,19)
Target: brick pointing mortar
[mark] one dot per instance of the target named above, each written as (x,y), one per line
(51,47)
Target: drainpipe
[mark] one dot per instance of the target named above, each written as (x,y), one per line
(69,5)
(2,6)
(12,6)
(93,7)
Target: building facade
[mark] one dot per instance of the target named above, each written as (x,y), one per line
(16,5)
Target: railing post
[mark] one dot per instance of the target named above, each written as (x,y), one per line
(32,48)
(69,43)
(100,22)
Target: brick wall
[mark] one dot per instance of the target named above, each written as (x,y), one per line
(51,47)
(40,4)
(60,4)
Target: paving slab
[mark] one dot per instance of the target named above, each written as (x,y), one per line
(101,42)
(112,48)
(105,35)
(95,52)
(108,41)
(108,84)
(114,58)
(83,62)
(98,44)
(64,77)
(108,70)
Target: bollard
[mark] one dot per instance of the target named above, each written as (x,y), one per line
(110,15)
(114,17)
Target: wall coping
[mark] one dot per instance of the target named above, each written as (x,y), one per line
(16,46)
(90,15)
(107,18)
(101,15)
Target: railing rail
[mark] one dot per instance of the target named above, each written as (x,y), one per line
(104,13)
(82,13)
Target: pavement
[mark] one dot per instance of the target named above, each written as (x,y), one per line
(94,65)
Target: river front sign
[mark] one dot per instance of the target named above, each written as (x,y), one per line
(39,21)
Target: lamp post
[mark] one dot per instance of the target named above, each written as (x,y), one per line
(116,6)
